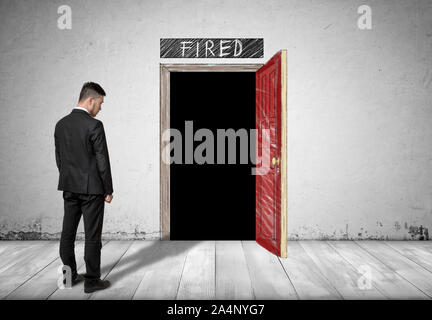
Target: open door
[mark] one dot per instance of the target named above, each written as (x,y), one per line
(271,143)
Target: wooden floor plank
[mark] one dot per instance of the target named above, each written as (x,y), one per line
(384,279)
(128,273)
(110,255)
(305,276)
(198,277)
(400,264)
(418,251)
(162,277)
(26,265)
(44,283)
(8,247)
(338,271)
(15,252)
(232,276)
(224,270)
(268,277)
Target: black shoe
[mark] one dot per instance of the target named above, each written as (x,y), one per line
(78,278)
(93,285)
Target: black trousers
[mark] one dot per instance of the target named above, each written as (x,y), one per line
(91,206)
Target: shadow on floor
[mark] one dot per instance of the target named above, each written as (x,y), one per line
(148,255)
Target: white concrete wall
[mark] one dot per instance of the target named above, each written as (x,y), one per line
(359,108)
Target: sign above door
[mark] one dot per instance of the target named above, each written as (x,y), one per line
(212,48)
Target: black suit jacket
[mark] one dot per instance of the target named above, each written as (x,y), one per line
(82,154)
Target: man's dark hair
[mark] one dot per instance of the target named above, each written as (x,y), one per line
(91,89)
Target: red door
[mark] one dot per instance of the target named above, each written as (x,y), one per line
(271,162)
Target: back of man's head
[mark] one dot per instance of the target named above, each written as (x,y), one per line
(90,89)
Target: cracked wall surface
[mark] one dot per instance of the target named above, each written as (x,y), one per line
(359,109)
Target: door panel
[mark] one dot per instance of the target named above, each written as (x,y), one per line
(271,195)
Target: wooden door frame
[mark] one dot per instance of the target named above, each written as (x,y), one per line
(164,122)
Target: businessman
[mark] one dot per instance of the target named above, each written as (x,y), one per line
(85,178)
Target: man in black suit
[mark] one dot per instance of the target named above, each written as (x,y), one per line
(85,179)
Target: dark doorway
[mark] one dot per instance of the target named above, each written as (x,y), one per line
(212,201)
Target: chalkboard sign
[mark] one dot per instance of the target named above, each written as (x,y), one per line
(211,48)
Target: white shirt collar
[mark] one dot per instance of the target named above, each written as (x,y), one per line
(81,108)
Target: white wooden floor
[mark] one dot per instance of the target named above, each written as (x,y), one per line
(226,270)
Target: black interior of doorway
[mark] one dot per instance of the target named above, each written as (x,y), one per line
(212,201)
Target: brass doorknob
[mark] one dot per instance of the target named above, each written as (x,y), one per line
(275,160)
